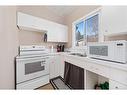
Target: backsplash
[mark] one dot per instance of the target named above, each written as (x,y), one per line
(35,38)
(30,37)
(81,50)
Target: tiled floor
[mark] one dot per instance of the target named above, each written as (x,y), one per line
(46,87)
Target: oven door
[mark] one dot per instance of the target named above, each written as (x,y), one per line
(30,68)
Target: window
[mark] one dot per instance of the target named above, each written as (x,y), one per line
(92,29)
(80,33)
(87,30)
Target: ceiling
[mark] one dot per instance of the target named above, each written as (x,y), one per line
(62,10)
(59,10)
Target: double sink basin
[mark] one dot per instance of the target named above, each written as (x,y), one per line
(79,54)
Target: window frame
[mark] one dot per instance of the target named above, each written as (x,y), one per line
(93,13)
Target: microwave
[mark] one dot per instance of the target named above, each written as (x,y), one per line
(115,51)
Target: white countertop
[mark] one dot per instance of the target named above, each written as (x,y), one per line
(87,59)
(100,62)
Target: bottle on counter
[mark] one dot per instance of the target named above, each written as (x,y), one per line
(52,48)
(58,48)
(62,48)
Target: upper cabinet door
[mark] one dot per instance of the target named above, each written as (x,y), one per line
(55,32)
(27,22)
(24,20)
(62,33)
(114,20)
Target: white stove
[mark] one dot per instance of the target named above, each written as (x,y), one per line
(32,67)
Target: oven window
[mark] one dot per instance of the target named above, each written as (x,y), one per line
(33,67)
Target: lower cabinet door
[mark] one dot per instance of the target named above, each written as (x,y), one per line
(116,85)
(54,66)
(62,64)
(34,83)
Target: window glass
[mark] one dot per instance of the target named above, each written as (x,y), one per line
(80,32)
(87,30)
(92,29)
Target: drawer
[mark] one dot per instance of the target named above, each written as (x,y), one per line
(98,69)
(116,85)
(118,75)
(34,83)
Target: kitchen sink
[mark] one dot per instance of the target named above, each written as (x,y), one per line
(79,54)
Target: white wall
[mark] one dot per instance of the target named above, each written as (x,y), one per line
(8,46)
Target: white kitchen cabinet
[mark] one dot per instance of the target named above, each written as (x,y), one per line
(55,32)
(55,66)
(114,20)
(62,64)
(118,75)
(98,69)
(116,85)
(42,24)
(32,23)
(63,34)
(51,66)
(28,22)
